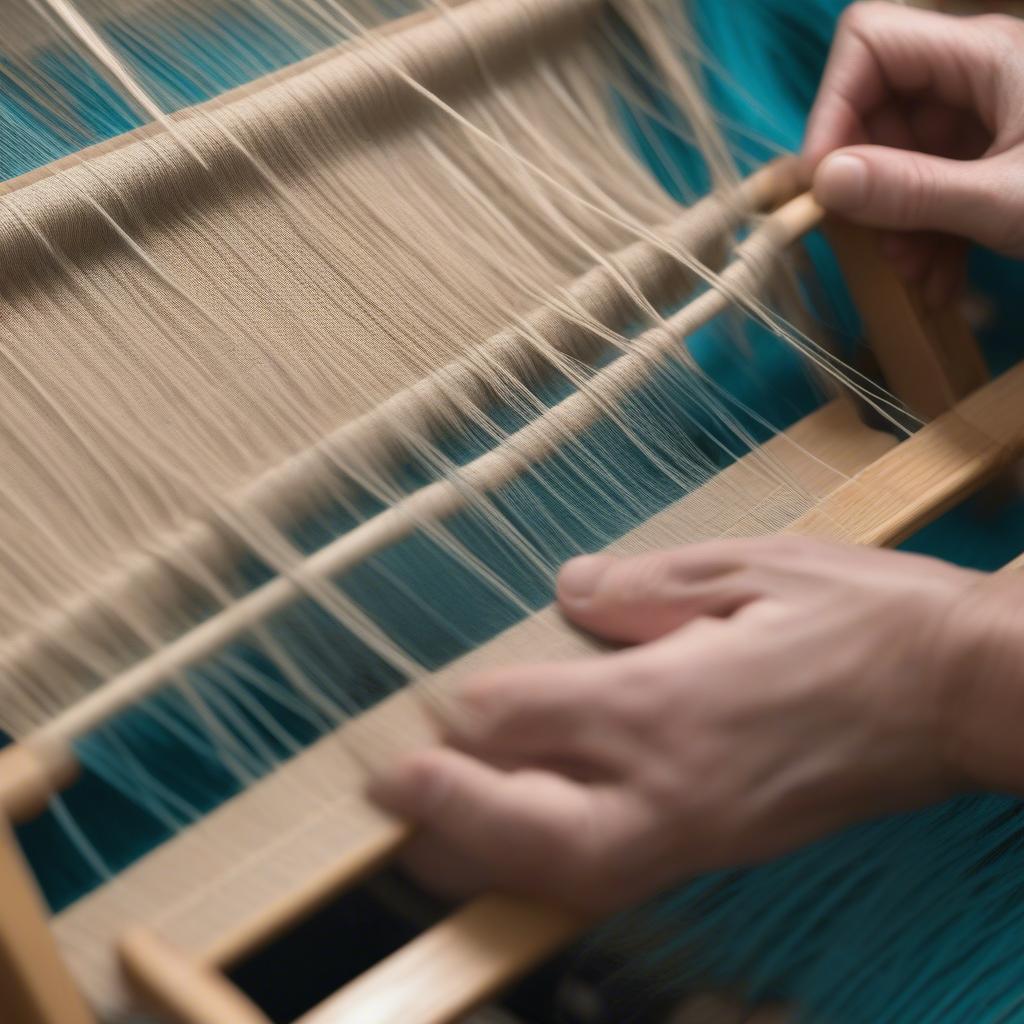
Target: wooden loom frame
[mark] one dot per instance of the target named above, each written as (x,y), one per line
(495,938)
(930,361)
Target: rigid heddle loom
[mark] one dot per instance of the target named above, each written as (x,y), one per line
(339,331)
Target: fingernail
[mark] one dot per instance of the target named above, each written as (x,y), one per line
(579,577)
(841,183)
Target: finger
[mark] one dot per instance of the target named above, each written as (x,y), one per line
(541,714)
(443,870)
(906,191)
(889,125)
(926,126)
(532,832)
(635,600)
(944,131)
(850,87)
(883,51)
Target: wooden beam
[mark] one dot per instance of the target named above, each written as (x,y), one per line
(928,473)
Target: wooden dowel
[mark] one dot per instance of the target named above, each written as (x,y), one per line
(35,986)
(547,21)
(27,782)
(928,473)
(929,358)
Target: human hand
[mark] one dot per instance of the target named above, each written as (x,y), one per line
(777,690)
(919,128)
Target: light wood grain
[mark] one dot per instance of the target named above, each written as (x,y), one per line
(35,987)
(481,948)
(184,988)
(929,357)
(929,472)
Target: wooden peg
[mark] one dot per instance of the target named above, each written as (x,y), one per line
(929,357)
(35,985)
(27,781)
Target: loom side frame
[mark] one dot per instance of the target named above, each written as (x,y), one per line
(921,477)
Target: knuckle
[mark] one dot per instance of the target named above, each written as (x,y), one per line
(635,711)
(419,774)
(635,673)
(914,198)
(488,688)
(998,204)
(851,17)
(597,857)
(488,701)
(1000,200)
(861,16)
(683,565)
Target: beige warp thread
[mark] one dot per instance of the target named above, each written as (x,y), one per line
(259,309)
(182,336)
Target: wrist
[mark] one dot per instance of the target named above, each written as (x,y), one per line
(983,686)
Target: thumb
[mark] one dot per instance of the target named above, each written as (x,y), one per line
(906,191)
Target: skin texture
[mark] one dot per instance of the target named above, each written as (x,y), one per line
(765,692)
(919,128)
(770,691)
